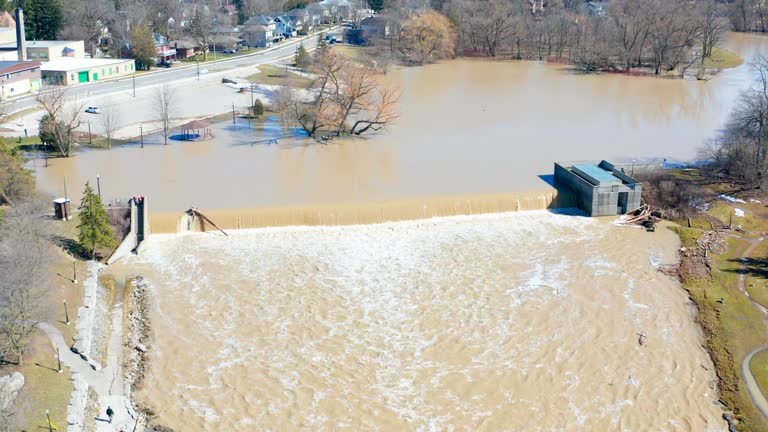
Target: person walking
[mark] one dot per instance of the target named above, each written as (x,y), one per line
(110,413)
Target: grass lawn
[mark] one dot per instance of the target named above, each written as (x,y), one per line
(275,75)
(731,329)
(723,59)
(759,368)
(351,51)
(44,388)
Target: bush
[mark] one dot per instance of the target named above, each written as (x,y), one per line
(677,198)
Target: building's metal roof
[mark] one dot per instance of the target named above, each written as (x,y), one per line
(599,175)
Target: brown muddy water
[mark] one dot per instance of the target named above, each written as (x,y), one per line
(516,321)
(467,127)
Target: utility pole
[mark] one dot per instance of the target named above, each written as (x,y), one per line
(141,131)
(197,63)
(98,185)
(133,78)
(58,357)
(74,272)
(46,154)
(233,113)
(90,138)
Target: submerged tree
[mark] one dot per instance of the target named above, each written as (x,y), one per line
(349,99)
(164,108)
(258,108)
(61,118)
(94,228)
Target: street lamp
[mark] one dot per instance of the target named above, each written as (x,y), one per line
(98,185)
(48,417)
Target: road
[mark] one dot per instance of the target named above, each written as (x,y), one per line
(175,74)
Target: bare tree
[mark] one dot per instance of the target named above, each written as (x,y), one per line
(24,275)
(110,121)
(62,117)
(631,23)
(165,108)
(713,28)
(349,99)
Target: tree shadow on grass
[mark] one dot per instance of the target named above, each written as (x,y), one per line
(72,247)
(757,267)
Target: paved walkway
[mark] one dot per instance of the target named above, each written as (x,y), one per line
(108,383)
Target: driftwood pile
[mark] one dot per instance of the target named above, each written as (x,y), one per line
(644,216)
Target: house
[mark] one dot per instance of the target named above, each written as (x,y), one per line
(185,48)
(261,31)
(285,26)
(302,20)
(6,20)
(598,187)
(375,27)
(70,71)
(258,36)
(19,77)
(320,13)
(595,8)
(223,42)
(165,53)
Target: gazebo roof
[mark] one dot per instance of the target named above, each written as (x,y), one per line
(196,124)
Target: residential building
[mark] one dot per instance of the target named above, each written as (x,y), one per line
(6,20)
(595,8)
(258,36)
(261,31)
(19,77)
(224,42)
(302,20)
(375,27)
(284,26)
(321,13)
(185,48)
(165,53)
(70,71)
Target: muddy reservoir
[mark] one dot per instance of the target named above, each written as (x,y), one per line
(467,127)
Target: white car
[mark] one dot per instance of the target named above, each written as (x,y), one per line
(93,110)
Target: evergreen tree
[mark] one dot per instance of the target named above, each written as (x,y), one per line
(94,224)
(302,57)
(143,47)
(322,46)
(42,19)
(376,5)
(258,108)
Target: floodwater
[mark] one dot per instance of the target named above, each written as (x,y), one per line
(467,127)
(516,321)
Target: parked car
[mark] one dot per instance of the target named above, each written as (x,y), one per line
(229,51)
(165,64)
(93,110)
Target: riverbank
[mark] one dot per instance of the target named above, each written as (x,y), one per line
(732,321)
